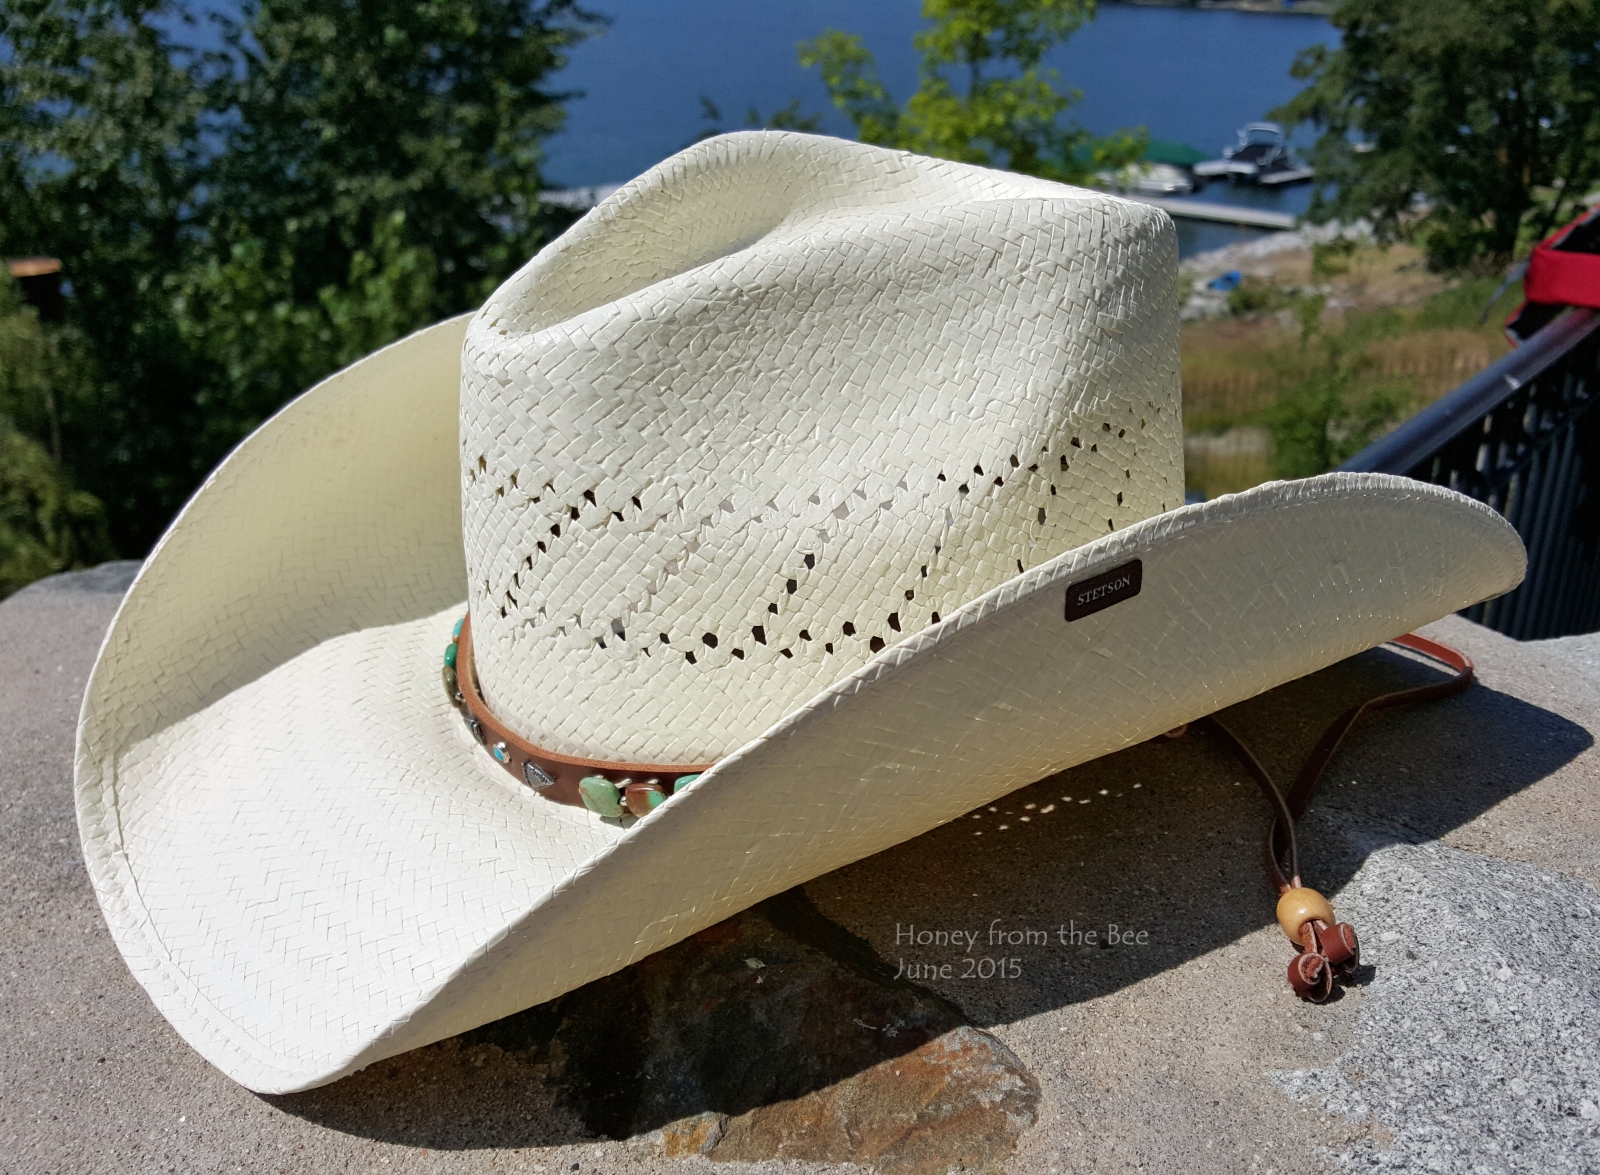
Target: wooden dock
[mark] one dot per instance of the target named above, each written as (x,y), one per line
(1220,213)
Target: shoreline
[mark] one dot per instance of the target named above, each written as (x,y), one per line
(1321,8)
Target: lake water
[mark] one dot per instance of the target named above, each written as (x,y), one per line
(1183,74)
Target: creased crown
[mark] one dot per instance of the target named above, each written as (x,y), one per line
(781,401)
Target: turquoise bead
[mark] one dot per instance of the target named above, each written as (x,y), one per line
(450,656)
(455,632)
(600,795)
(655,799)
(683,782)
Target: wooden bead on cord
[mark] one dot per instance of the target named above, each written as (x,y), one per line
(1300,905)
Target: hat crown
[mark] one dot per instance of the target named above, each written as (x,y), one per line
(779,403)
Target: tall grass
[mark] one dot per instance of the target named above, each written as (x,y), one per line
(1301,388)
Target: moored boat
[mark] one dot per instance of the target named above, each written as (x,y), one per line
(1260,156)
(1148,179)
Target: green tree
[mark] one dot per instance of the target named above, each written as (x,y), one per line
(46,525)
(351,111)
(1486,110)
(237,224)
(983,94)
(1344,403)
(381,172)
(1325,420)
(103,119)
(266,341)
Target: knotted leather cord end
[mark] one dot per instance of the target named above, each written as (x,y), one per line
(1327,953)
(1328,950)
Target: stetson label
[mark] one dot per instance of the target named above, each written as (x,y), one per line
(1088,596)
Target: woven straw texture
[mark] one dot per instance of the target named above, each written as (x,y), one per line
(784,397)
(310,865)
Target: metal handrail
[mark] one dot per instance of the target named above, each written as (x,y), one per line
(1523,437)
(1419,438)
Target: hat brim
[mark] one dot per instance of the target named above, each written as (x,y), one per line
(309,865)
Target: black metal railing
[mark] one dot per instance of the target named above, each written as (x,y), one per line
(1522,437)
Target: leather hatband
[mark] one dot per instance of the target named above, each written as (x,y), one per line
(555,777)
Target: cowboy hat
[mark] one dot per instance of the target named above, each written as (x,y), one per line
(803,496)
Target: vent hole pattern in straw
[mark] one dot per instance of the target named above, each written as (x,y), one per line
(690,470)
(1039,486)
(613,633)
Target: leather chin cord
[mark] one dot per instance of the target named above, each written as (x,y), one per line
(1328,949)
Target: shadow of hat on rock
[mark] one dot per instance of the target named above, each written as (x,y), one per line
(794,1030)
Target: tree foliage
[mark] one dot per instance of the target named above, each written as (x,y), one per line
(1344,403)
(364,126)
(102,124)
(1487,111)
(46,525)
(236,223)
(983,94)
(1323,421)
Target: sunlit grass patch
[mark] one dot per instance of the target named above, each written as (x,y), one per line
(1323,356)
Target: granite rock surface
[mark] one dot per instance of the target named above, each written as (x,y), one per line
(1083,977)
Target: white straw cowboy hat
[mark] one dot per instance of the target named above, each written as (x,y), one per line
(848,481)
